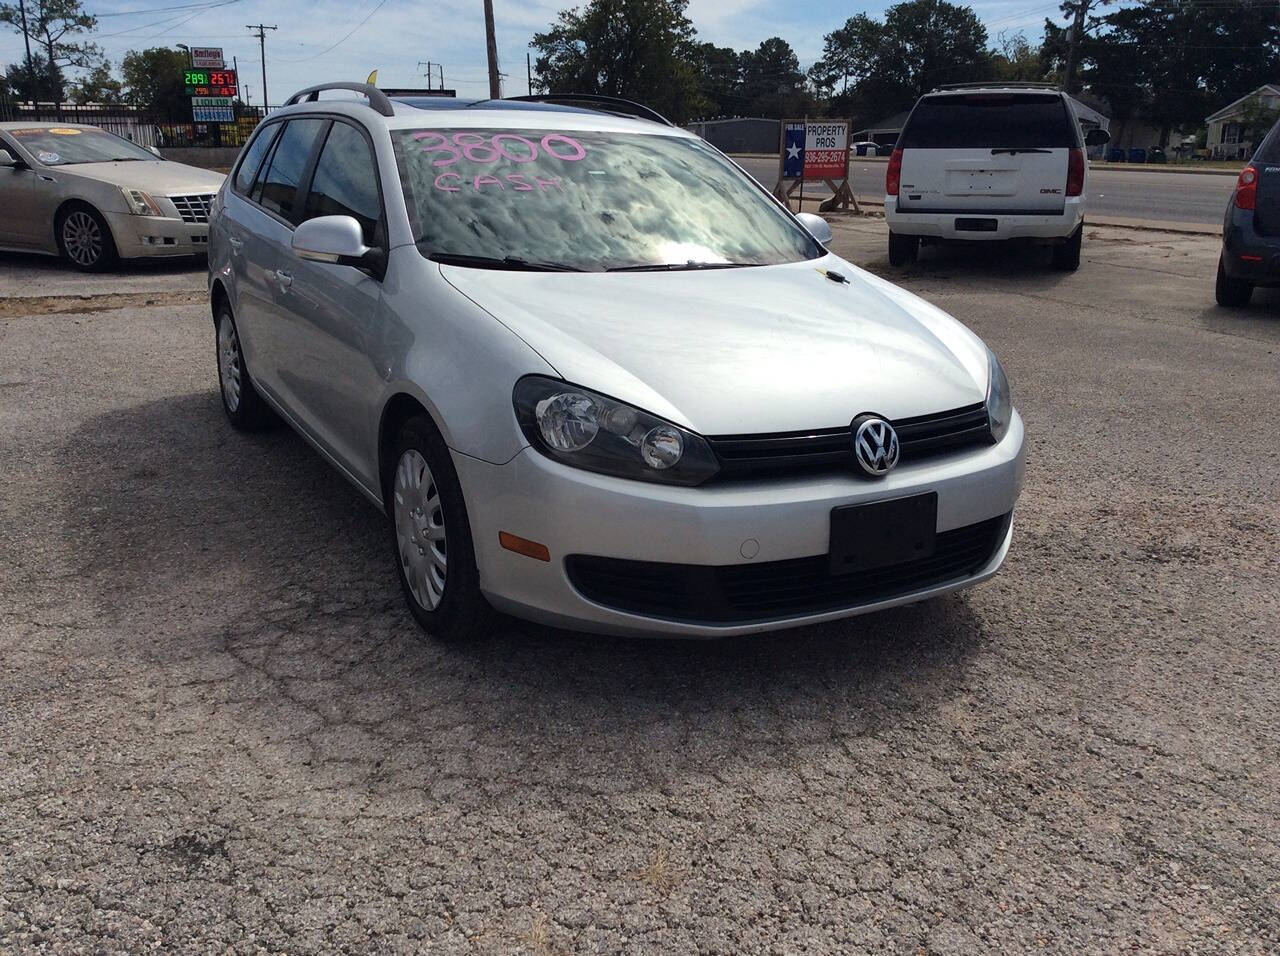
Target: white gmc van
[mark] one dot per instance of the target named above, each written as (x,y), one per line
(987,163)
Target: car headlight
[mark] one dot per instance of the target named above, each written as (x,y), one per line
(140,203)
(588,430)
(999,401)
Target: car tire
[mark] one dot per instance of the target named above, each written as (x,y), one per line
(245,408)
(1232,293)
(1066,257)
(84,239)
(431,537)
(902,249)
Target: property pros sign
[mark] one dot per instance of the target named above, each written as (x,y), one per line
(207,58)
(815,150)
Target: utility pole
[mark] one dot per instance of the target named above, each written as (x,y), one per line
(31,72)
(235,65)
(491,47)
(528,66)
(1073,41)
(262,48)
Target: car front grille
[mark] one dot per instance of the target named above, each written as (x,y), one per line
(740,593)
(193,208)
(831,449)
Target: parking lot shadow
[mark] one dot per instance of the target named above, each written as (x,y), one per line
(37,263)
(245,565)
(1026,265)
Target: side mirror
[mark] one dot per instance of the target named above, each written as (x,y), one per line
(156,150)
(7,159)
(816,225)
(336,239)
(1097,137)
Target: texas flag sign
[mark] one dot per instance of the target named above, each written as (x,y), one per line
(793,151)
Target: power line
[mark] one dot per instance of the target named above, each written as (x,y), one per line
(343,40)
(188,6)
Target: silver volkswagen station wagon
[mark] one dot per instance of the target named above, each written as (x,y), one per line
(595,375)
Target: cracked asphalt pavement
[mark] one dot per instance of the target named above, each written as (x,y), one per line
(222,732)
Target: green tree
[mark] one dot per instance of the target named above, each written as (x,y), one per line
(33,84)
(1015,60)
(888,65)
(1175,62)
(772,84)
(55,26)
(719,76)
(848,55)
(99,86)
(153,80)
(636,49)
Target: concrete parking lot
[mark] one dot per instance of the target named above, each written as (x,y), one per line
(221,731)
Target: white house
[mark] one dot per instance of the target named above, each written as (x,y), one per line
(1226,139)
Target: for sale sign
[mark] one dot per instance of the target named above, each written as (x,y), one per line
(207,58)
(815,150)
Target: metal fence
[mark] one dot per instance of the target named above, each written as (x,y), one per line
(137,126)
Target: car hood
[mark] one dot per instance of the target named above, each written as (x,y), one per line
(741,351)
(160,177)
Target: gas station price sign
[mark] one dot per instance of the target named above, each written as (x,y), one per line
(210,82)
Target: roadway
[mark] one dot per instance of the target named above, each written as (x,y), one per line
(1154,196)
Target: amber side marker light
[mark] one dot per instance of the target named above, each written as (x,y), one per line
(530,549)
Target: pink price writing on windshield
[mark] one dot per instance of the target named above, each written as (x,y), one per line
(511,147)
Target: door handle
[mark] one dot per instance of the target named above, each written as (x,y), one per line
(284,279)
(236,245)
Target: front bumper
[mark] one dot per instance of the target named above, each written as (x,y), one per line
(152,236)
(939,225)
(575,512)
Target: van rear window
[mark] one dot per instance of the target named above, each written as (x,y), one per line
(990,120)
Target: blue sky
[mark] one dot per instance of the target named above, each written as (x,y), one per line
(399,33)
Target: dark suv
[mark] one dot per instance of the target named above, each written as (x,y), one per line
(1251,230)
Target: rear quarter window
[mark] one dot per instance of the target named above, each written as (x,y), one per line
(1269,151)
(991,120)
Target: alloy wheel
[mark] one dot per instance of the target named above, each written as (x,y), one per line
(229,367)
(420,531)
(82,238)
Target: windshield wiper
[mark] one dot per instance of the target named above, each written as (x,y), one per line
(513,263)
(680,266)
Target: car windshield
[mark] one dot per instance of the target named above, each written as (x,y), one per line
(66,145)
(592,201)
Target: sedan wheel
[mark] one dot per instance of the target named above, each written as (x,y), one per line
(85,240)
(420,530)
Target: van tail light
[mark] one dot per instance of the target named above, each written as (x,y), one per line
(1247,188)
(1075,171)
(893,177)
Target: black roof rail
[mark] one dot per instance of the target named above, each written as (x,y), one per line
(998,85)
(377,99)
(602,104)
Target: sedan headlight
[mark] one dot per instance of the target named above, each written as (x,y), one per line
(587,430)
(999,401)
(140,203)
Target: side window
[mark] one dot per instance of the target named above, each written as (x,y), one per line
(346,181)
(252,159)
(278,185)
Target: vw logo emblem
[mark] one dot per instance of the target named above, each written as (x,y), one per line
(875,445)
